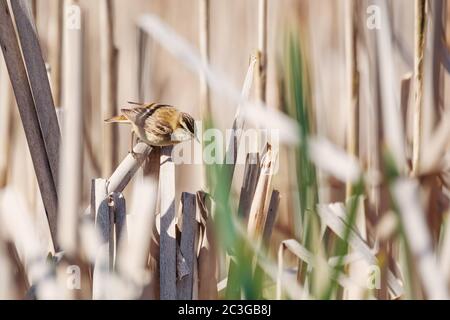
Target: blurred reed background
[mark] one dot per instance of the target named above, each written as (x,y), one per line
(355,89)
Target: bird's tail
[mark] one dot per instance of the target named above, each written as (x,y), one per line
(119,119)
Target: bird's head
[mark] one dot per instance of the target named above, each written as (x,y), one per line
(188,124)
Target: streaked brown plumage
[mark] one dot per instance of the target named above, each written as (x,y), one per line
(158,124)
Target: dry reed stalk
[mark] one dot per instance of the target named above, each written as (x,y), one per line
(311,260)
(261,75)
(39,83)
(351,29)
(5,122)
(104,225)
(238,123)
(271,216)
(55,41)
(419,54)
(292,288)
(299,251)
(433,82)
(250,180)
(34,9)
(405,91)
(144,65)
(433,102)
(251,177)
(120,222)
(168,245)
(125,171)
(434,154)
(133,253)
(406,193)
(334,217)
(207,254)
(108,84)
(358,269)
(258,210)
(204,37)
(205,94)
(72,151)
(41,125)
(128,168)
(188,251)
(391,114)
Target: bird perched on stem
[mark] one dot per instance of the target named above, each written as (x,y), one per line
(157,124)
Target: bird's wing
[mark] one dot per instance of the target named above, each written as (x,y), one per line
(158,119)
(163,121)
(139,115)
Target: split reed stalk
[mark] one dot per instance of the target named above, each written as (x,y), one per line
(168,244)
(420,37)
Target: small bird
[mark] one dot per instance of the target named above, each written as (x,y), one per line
(157,124)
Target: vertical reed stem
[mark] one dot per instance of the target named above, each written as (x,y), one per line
(168,290)
(205,95)
(72,155)
(108,84)
(34,101)
(262,50)
(420,30)
(353,77)
(54,47)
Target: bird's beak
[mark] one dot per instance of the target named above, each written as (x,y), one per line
(196,138)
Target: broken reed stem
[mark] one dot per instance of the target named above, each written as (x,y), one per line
(353,77)
(103,225)
(128,167)
(207,255)
(258,209)
(232,150)
(168,244)
(420,37)
(72,155)
(108,85)
(187,249)
(133,253)
(262,51)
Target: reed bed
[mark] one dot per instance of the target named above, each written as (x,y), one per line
(342,192)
